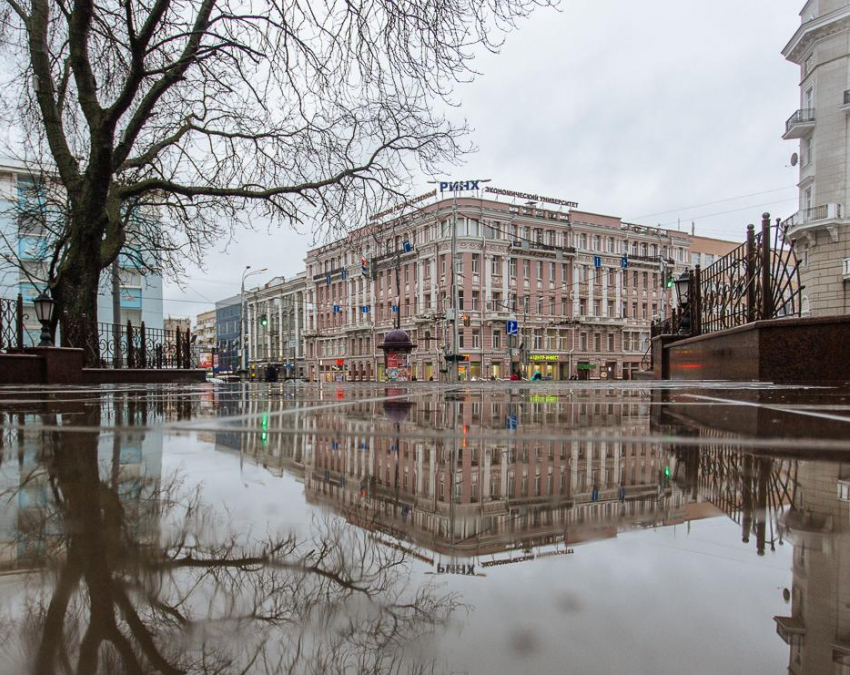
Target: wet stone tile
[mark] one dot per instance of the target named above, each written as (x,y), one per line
(588,528)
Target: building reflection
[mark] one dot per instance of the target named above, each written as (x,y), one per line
(31,532)
(793,499)
(817,629)
(494,476)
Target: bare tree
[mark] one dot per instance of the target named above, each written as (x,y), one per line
(188,117)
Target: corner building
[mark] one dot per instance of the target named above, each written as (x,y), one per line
(582,288)
(821,228)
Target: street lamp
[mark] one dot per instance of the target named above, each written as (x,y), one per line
(44,306)
(243,360)
(683,291)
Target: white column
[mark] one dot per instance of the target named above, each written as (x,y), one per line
(432,472)
(576,289)
(420,286)
(604,308)
(485,489)
(619,311)
(250,320)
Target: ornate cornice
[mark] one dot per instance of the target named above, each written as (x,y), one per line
(816,29)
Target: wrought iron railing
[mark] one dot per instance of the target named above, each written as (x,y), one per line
(758,280)
(128,346)
(803,116)
(12,319)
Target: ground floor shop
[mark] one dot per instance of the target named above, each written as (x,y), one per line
(432,367)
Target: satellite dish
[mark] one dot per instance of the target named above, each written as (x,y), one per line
(794,159)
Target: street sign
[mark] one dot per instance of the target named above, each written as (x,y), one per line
(511,328)
(395,309)
(624,262)
(511,422)
(336,309)
(365,309)
(597,261)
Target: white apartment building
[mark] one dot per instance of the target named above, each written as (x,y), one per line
(273,325)
(821,227)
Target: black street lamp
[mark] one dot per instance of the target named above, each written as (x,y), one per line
(44,306)
(683,292)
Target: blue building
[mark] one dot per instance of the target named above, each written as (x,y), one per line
(228,315)
(23,261)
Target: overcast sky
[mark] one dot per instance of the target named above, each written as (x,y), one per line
(657,111)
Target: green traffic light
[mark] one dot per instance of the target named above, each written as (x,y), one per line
(667,472)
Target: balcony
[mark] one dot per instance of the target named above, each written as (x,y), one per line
(800,124)
(826,216)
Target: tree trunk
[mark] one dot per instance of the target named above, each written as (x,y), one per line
(75,293)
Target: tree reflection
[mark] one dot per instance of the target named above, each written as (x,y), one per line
(146,577)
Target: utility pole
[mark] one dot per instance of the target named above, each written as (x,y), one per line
(455,187)
(243,362)
(455,331)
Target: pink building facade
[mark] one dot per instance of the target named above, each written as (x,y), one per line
(582,288)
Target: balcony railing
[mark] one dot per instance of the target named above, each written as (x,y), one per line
(804,216)
(798,122)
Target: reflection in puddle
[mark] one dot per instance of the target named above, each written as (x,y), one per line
(109,562)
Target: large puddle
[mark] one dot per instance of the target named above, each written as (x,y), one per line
(425,529)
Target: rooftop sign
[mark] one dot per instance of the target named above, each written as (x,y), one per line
(530,197)
(399,207)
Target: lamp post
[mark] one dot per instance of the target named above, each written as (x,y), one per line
(44,307)
(683,292)
(243,364)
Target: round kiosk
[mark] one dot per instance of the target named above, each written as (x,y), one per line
(397,347)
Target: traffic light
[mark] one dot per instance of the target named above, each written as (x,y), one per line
(364,266)
(668,281)
(264,320)
(466,320)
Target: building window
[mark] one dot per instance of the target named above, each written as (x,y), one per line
(474,301)
(582,341)
(496,265)
(526,266)
(540,270)
(497,339)
(610,342)
(513,267)
(810,151)
(539,305)
(597,342)
(475,258)
(476,339)
(460,300)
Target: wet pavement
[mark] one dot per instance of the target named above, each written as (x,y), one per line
(426,528)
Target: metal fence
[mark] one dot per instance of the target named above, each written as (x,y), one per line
(12,319)
(128,346)
(758,280)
